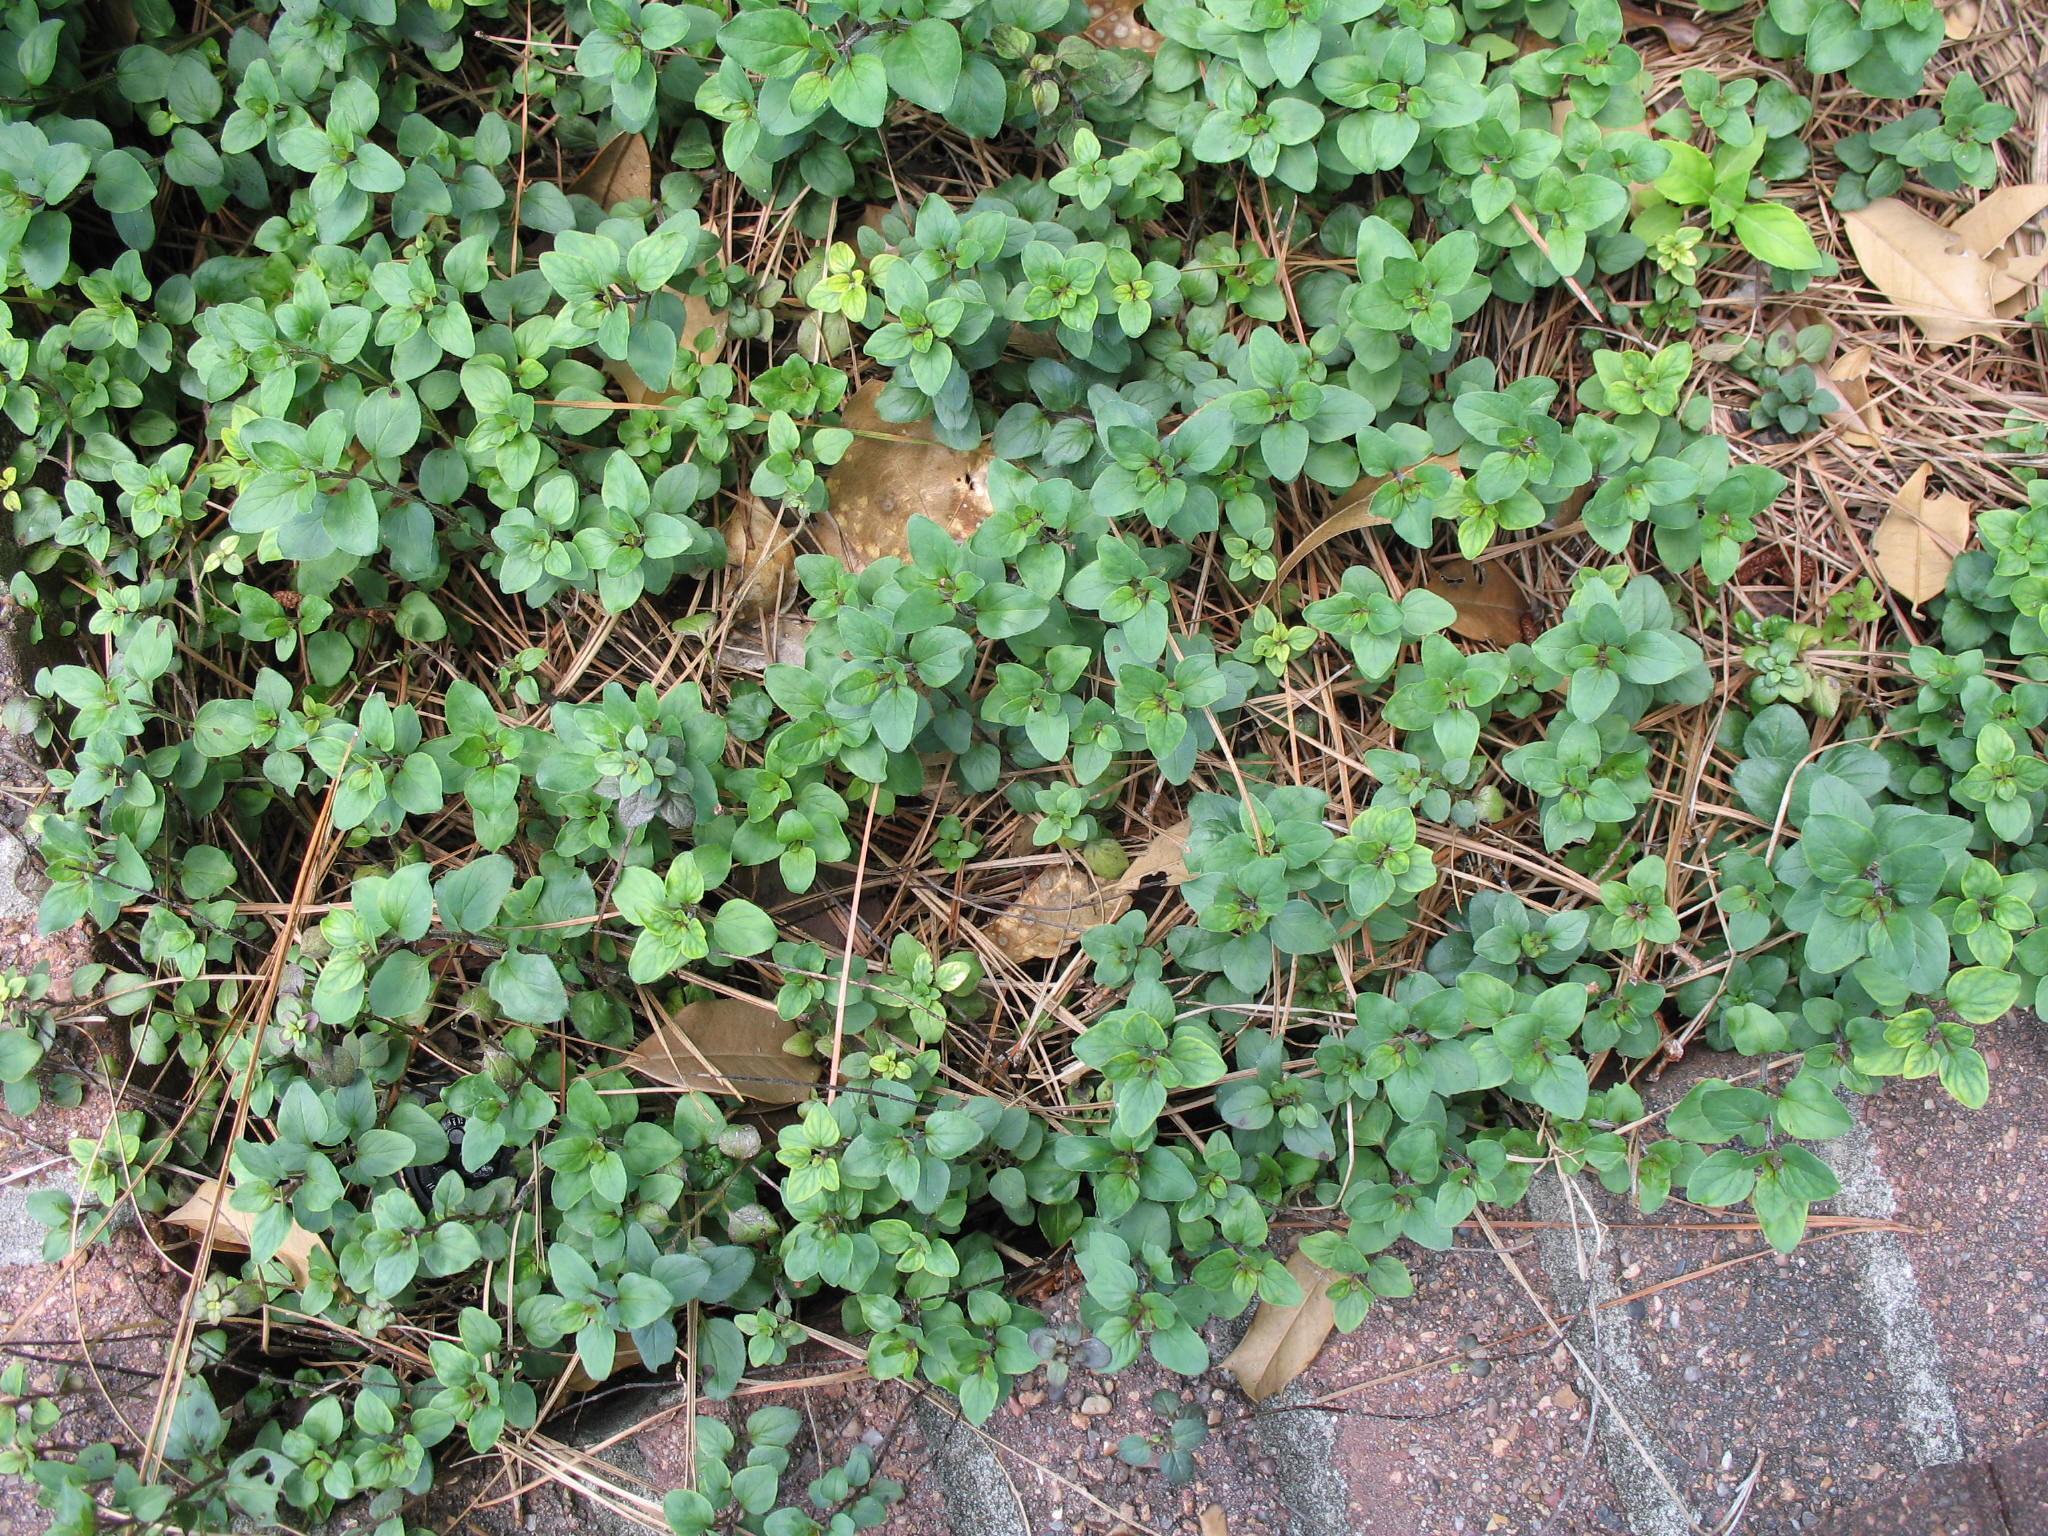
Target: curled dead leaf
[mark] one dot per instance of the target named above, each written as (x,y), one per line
(1030,343)
(1166,854)
(1282,1342)
(1350,511)
(724,1045)
(760,558)
(2012,281)
(232,1229)
(1957,281)
(1998,216)
(747,649)
(625,1355)
(1053,912)
(623,169)
(1927,271)
(1847,378)
(895,472)
(1917,543)
(1115,24)
(1490,603)
(703,333)
(1678,32)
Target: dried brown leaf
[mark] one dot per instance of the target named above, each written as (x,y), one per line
(1349,512)
(1214,1521)
(118,17)
(232,1230)
(1490,603)
(2013,277)
(759,557)
(724,1045)
(1032,343)
(1282,1342)
(748,650)
(1998,216)
(1847,378)
(886,479)
(623,169)
(1054,911)
(1166,854)
(1115,24)
(1918,541)
(625,1354)
(703,333)
(1678,32)
(1923,269)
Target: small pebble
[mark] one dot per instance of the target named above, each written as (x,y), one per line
(1096,1405)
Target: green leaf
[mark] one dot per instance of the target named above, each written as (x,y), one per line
(741,928)
(527,987)
(1726,1178)
(860,90)
(771,41)
(1689,179)
(1983,994)
(380,1153)
(923,63)
(1774,233)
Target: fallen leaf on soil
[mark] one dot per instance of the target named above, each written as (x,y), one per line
(1956,281)
(1490,603)
(724,1045)
(747,650)
(2012,281)
(1848,378)
(623,169)
(1678,32)
(231,1232)
(1349,512)
(1919,539)
(871,218)
(1993,221)
(1034,343)
(1214,1521)
(1960,20)
(1115,24)
(759,557)
(1927,271)
(625,1353)
(1282,1342)
(1054,911)
(698,319)
(883,482)
(1166,854)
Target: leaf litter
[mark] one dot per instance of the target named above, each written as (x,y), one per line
(1282,1342)
(1490,603)
(1918,541)
(233,1230)
(895,471)
(724,1045)
(1954,281)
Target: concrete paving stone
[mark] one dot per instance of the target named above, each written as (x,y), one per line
(2022,1477)
(1957,1500)
(1449,1451)
(1975,1187)
(21,1235)
(1780,1355)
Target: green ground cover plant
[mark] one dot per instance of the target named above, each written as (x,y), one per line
(380,488)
